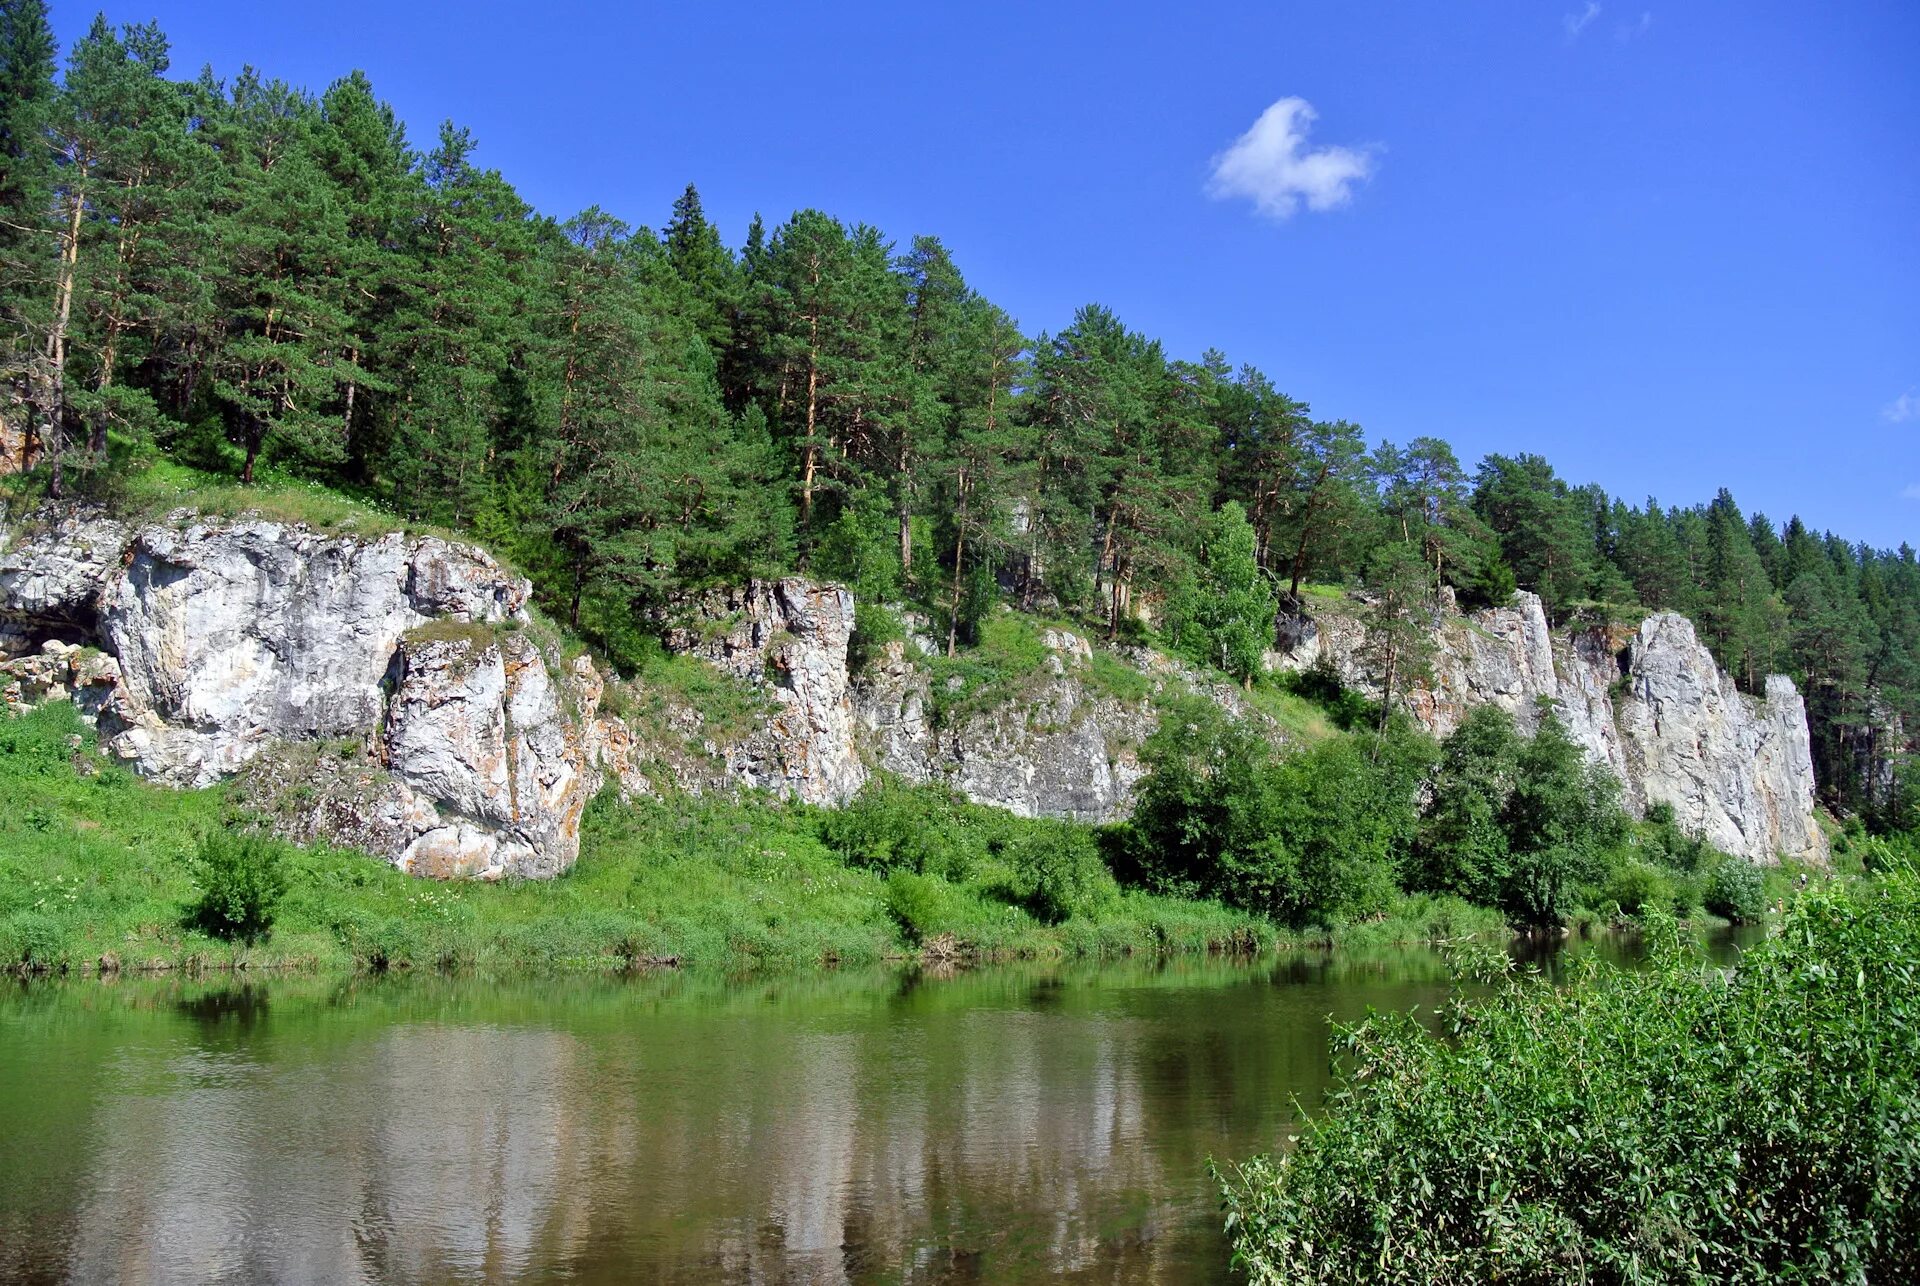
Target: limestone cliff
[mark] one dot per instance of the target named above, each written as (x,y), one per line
(1059,743)
(1650,704)
(223,642)
(393,693)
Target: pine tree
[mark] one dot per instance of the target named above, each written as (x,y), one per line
(460,325)
(1399,618)
(707,270)
(1737,612)
(282,234)
(361,148)
(27,59)
(1545,533)
(1223,615)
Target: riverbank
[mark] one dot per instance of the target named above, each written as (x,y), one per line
(97,872)
(1680,1122)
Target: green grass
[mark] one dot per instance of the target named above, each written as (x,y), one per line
(95,863)
(168,485)
(452,629)
(1009,658)
(729,709)
(1301,719)
(1323,591)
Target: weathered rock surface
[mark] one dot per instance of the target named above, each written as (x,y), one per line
(388,692)
(222,640)
(1060,749)
(788,639)
(1651,705)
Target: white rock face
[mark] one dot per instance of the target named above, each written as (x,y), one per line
(787,638)
(492,771)
(53,583)
(1738,771)
(1062,746)
(1651,706)
(384,692)
(231,636)
(223,640)
(1060,749)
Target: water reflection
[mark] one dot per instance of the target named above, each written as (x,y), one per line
(1003,1126)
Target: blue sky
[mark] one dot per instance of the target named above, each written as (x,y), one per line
(1671,246)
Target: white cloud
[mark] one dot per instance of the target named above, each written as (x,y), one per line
(1575,23)
(1272,166)
(1901,409)
(1911,493)
(1634,30)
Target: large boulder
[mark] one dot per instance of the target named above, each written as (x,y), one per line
(223,641)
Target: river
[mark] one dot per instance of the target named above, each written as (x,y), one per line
(1004,1125)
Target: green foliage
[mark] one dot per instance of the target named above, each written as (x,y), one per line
(242,879)
(253,290)
(1222,614)
(103,864)
(1320,683)
(1058,872)
(1008,659)
(1673,1123)
(1312,837)
(1638,887)
(874,626)
(1521,823)
(1736,891)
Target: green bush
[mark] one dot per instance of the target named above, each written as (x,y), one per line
(918,903)
(1308,838)
(874,626)
(241,878)
(1058,873)
(1637,887)
(1521,823)
(1676,1123)
(1736,891)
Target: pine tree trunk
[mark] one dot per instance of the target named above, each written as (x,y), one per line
(813,423)
(959,567)
(56,440)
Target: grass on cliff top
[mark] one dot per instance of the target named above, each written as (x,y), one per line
(94,862)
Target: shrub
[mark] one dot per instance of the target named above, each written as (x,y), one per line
(241,880)
(1736,891)
(1674,1123)
(1312,837)
(874,626)
(1637,887)
(1058,873)
(918,903)
(925,829)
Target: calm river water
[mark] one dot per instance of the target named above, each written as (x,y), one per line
(1005,1125)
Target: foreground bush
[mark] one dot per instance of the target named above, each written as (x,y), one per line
(242,879)
(1676,1124)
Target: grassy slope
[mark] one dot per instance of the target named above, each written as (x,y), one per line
(95,861)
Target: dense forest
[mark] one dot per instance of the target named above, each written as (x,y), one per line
(245,278)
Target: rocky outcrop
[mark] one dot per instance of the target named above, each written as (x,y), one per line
(788,640)
(1057,748)
(1737,770)
(1650,704)
(223,641)
(391,692)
